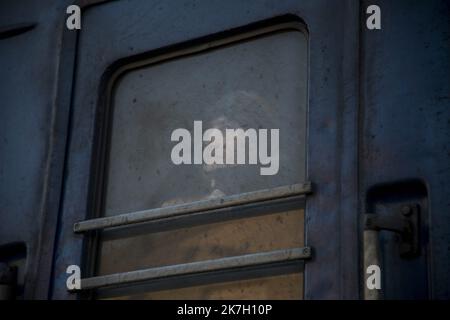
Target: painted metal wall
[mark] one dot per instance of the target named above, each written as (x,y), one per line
(393,120)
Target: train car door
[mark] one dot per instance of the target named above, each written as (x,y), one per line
(140,225)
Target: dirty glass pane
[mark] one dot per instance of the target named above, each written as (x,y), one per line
(258,83)
(277,287)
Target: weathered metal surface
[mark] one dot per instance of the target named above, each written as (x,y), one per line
(197,267)
(194,207)
(403,220)
(404,137)
(34,110)
(331,83)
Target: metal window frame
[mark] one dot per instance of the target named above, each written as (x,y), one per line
(205,207)
(331,131)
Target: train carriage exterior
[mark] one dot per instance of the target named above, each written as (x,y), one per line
(347,167)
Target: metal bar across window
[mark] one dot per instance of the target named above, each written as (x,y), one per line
(196,267)
(193,207)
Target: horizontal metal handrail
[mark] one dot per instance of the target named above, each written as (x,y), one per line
(247,260)
(193,207)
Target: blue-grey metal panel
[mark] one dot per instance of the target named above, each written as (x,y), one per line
(405,124)
(116,30)
(33,125)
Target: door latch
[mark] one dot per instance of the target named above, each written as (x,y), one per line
(404,221)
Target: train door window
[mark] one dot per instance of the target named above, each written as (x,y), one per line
(256,81)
